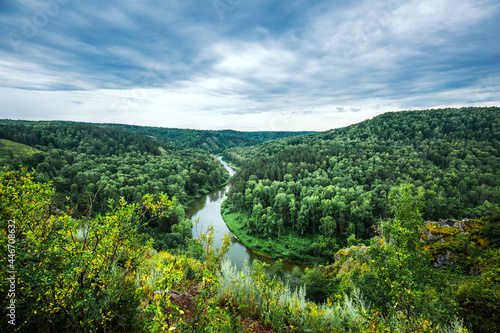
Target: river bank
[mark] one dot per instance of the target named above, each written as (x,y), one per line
(207,209)
(288,247)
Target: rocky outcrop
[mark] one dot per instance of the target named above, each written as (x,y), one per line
(435,230)
(442,232)
(347,259)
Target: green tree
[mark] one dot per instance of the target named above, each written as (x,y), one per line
(327,226)
(316,285)
(72,274)
(400,272)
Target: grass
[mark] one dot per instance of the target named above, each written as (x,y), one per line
(16,149)
(272,301)
(289,246)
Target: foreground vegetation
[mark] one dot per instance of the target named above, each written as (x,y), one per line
(95,274)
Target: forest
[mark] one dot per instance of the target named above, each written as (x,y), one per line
(212,141)
(304,198)
(398,218)
(90,163)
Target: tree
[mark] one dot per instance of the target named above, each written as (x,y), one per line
(277,270)
(316,285)
(281,206)
(400,270)
(294,278)
(303,219)
(327,226)
(72,274)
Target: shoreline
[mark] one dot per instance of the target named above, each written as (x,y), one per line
(256,248)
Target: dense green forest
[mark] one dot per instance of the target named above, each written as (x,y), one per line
(90,163)
(211,141)
(305,197)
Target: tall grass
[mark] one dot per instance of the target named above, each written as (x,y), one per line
(285,310)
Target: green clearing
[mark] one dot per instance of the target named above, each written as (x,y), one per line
(289,246)
(13,149)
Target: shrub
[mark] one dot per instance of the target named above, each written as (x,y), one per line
(71,274)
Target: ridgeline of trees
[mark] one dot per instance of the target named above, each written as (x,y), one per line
(305,197)
(212,141)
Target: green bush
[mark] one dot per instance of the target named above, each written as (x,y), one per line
(317,287)
(72,274)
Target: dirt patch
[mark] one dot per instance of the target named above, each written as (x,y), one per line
(185,301)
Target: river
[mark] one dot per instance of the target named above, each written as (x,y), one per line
(207,210)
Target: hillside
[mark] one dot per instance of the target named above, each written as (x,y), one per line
(95,163)
(211,141)
(327,190)
(89,165)
(10,149)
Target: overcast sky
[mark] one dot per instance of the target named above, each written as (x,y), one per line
(244,64)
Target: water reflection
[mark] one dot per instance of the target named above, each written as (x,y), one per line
(207,210)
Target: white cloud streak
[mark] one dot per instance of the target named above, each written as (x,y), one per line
(324,65)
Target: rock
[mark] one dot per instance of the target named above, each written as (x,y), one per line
(439,232)
(431,237)
(476,271)
(184,300)
(459,225)
(446,223)
(444,259)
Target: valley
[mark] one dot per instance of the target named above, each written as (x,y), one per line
(326,221)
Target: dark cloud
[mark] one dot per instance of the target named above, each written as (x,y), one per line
(266,54)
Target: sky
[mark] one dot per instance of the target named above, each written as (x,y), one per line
(249,65)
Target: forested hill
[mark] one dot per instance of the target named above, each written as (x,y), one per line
(92,163)
(211,141)
(336,183)
(85,137)
(66,134)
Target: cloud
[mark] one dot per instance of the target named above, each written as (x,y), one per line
(268,64)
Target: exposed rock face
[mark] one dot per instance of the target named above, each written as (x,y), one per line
(440,232)
(346,260)
(185,300)
(435,231)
